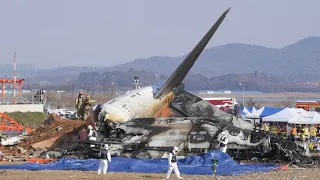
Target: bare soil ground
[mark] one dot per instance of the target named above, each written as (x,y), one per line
(309,174)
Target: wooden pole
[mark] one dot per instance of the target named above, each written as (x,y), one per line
(14,79)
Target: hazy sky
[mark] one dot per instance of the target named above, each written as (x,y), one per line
(104,33)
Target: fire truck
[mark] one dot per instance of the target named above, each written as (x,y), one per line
(309,105)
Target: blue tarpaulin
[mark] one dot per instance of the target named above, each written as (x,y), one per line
(263,112)
(247,110)
(268,111)
(190,165)
(252,109)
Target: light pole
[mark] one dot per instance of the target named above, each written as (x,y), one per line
(242,93)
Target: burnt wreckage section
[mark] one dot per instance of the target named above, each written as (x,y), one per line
(194,129)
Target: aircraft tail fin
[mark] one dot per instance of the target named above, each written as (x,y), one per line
(180,73)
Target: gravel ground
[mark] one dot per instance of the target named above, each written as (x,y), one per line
(290,174)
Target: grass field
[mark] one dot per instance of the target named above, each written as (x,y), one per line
(29,119)
(67,100)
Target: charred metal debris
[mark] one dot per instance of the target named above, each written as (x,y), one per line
(194,128)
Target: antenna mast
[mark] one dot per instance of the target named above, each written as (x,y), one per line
(14,78)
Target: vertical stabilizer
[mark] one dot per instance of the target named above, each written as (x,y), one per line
(180,73)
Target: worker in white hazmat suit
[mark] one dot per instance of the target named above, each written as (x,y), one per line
(92,135)
(172,162)
(223,142)
(105,156)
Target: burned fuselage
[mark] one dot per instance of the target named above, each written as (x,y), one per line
(194,129)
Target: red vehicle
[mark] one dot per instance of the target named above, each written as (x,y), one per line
(309,105)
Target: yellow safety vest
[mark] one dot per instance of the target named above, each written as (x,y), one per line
(313,131)
(78,102)
(306,132)
(274,129)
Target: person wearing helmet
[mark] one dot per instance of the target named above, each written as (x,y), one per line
(223,142)
(78,105)
(87,104)
(105,156)
(172,162)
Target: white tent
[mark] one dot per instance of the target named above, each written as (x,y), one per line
(245,110)
(307,117)
(263,112)
(254,109)
(282,116)
(255,114)
(298,110)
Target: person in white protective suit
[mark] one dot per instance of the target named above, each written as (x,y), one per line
(172,162)
(92,135)
(223,142)
(105,156)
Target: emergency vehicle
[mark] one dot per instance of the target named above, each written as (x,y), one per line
(309,105)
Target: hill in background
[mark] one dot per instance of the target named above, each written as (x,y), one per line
(299,61)
(291,68)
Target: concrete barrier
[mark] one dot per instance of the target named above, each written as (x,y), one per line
(22,108)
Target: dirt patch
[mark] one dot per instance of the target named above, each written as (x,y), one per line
(42,145)
(309,174)
(56,128)
(12,150)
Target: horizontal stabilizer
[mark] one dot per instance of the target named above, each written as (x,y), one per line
(180,73)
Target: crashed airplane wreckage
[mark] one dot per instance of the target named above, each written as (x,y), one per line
(150,121)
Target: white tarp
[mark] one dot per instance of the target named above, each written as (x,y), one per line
(282,116)
(307,117)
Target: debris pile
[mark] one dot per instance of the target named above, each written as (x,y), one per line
(54,134)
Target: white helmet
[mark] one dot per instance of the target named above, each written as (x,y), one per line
(106,146)
(175,148)
(223,134)
(90,127)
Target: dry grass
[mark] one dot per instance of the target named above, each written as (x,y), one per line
(64,100)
